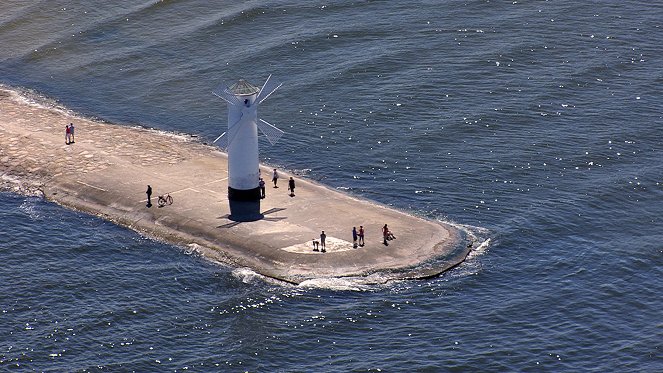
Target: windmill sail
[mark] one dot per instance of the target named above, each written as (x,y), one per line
(241,91)
(272,133)
(223,91)
(270,86)
(223,141)
(227,137)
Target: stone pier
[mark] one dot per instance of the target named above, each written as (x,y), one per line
(107,170)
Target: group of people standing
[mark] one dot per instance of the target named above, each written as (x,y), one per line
(275,180)
(69,134)
(357,238)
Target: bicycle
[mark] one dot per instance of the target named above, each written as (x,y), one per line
(164,200)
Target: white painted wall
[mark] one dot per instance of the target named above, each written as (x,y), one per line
(242,135)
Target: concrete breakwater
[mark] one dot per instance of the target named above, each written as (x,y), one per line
(106,170)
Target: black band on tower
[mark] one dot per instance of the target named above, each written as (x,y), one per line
(244,195)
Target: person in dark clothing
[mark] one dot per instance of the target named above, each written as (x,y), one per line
(261,184)
(291,186)
(323,246)
(149,196)
(354,237)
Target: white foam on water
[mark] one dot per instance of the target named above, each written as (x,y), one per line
(480,245)
(29,206)
(34,99)
(475,234)
(248,276)
(333,283)
(471,230)
(194,248)
(480,250)
(37,100)
(174,135)
(16,185)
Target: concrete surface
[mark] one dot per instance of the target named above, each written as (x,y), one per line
(106,172)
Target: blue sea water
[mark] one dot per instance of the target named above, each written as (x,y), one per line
(537,124)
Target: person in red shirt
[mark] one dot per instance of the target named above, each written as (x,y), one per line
(387,235)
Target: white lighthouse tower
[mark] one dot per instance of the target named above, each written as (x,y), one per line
(241,142)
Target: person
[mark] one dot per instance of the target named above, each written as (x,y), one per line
(261,184)
(388,236)
(275,178)
(149,196)
(71,133)
(291,186)
(354,237)
(361,235)
(67,136)
(316,245)
(323,247)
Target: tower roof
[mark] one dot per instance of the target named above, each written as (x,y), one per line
(244,88)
